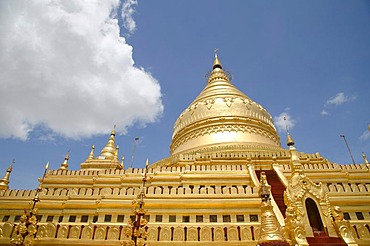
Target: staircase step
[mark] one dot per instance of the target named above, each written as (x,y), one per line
(325,240)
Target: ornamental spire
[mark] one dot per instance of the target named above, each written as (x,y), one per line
(289,141)
(217,73)
(216,62)
(270,228)
(64,165)
(295,162)
(4,182)
(91,155)
(109,151)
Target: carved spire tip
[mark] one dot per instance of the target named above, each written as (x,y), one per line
(216,62)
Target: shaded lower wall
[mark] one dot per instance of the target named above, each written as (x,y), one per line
(159,234)
(50,233)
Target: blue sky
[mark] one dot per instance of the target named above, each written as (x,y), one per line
(72,77)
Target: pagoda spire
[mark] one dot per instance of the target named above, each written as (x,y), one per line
(216,61)
(217,73)
(91,155)
(4,182)
(64,165)
(289,141)
(270,234)
(108,158)
(109,151)
(295,162)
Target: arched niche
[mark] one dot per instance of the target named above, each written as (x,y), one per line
(314,216)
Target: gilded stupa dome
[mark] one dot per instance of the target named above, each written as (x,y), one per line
(222,115)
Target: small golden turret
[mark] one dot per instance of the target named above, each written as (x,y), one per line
(64,165)
(4,182)
(270,233)
(91,155)
(109,151)
(108,157)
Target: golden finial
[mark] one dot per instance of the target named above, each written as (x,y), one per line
(365,159)
(10,168)
(289,141)
(64,165)
(46,167)
(216,62)
(217,74)
(4,182)
(116,153)
(91,155)
(109,150)
(123,162)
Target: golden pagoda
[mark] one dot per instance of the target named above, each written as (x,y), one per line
(227,181)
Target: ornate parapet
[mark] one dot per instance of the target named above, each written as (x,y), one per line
(342,226)
(294,226)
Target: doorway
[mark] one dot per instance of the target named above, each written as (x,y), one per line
(314,216)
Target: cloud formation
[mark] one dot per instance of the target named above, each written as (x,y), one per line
(336,100)
(365,135)
(324,112)
(65,68)
(128,9)
(339,99)
(283,121)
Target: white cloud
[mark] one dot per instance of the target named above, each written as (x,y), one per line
(339,99)
(324,112)
(284,120)
(336,100)
(127,11)
(64,67)
(365,135)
